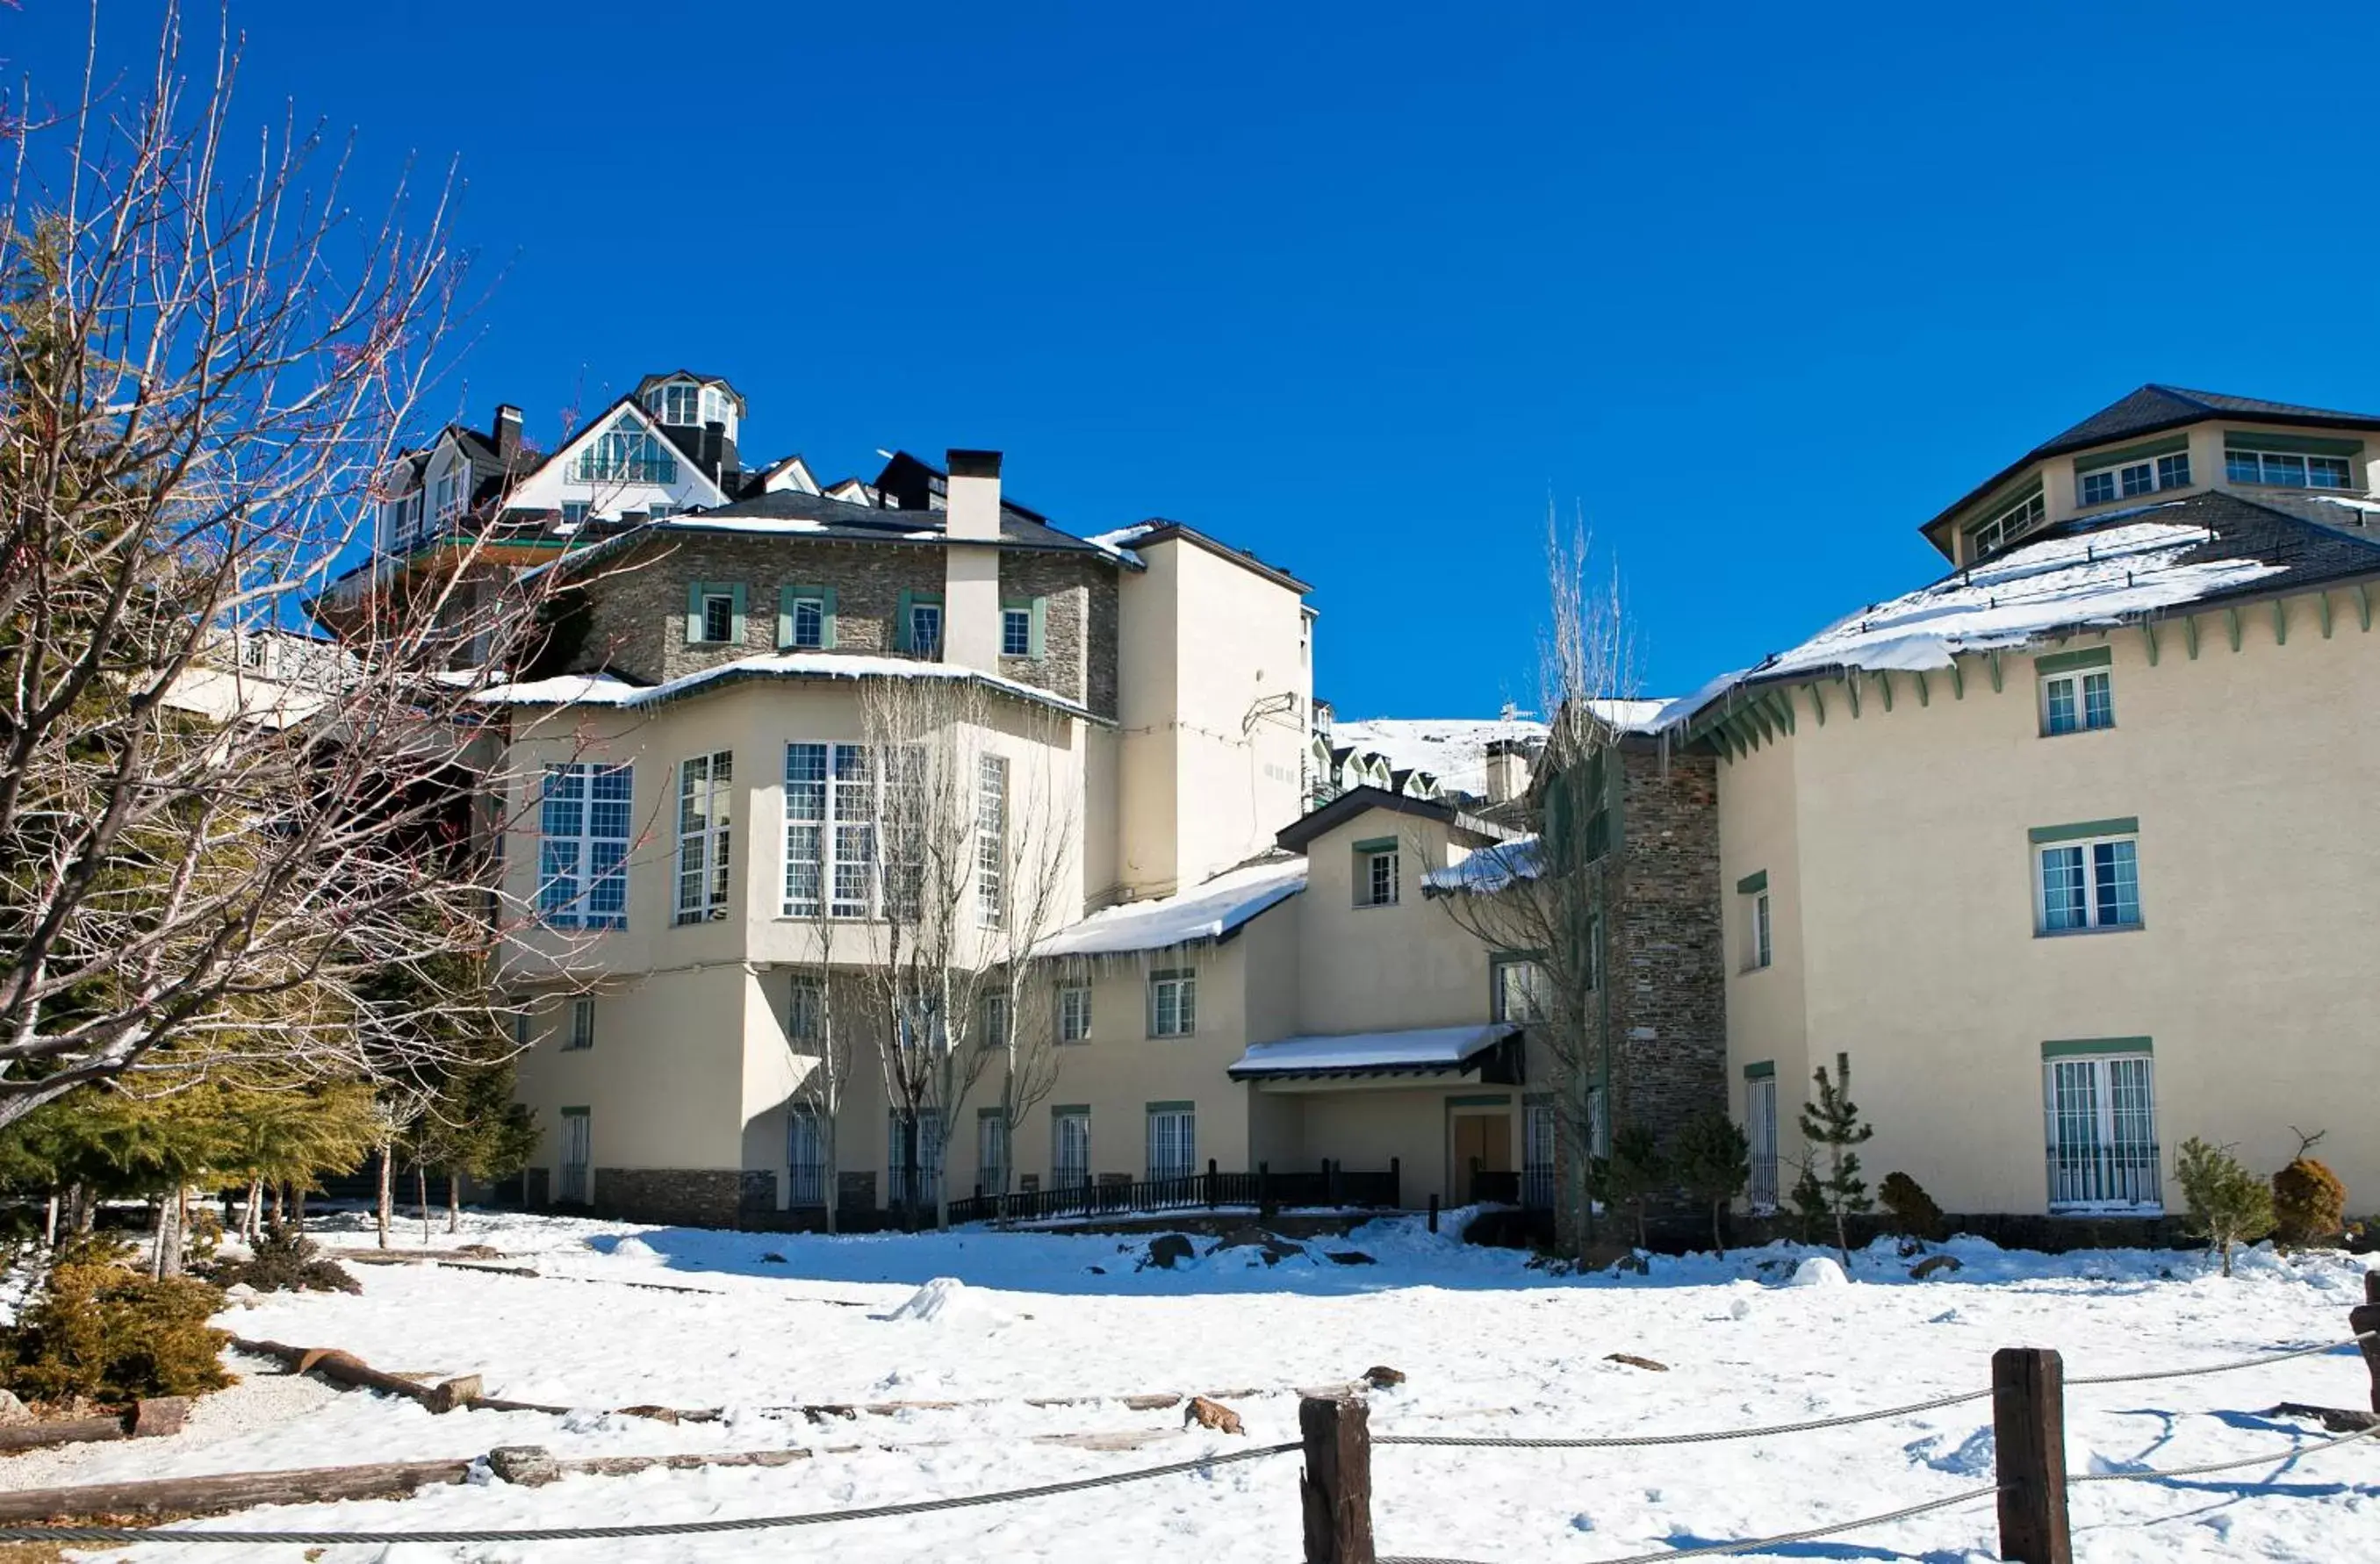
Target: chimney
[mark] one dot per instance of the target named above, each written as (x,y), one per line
(973,516)
(712,444)
(1508,770)
(508,432)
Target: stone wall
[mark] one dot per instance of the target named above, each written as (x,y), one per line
(1666,964)
(636,619)
(710,1197)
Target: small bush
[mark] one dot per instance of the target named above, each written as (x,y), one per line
(2229,1204)
(286,1260)
(100,1332)
(1912,1210)
(2309,1204)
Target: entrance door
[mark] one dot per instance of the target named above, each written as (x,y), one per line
(1483,1156)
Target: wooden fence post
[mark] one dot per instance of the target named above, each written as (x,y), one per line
(1210,1183)
(2029,1440)
(1336,1486)
(2368,1319)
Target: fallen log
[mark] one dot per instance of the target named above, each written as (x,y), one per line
(346,1368)
(141,1420)
(213,1496)
(2339,1420)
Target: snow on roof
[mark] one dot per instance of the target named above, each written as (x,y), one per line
(1487,871)
(1430,1049)
(707,522)
(1454,749)
(1209,911)
(2095,577)
(1120,541)
(607,689)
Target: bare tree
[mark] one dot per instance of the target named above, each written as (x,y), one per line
(821,1019)
(1550,891)
(206,368)
(1029,826)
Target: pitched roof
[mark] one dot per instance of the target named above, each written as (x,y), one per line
(1213,910)
(1125,540)
(2202,550)
(1301,832)
(2152,410)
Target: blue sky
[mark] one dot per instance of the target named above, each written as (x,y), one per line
(1753,289)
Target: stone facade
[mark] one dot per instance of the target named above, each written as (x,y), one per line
(690,1196)
(638,606)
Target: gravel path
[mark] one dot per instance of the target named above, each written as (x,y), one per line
(264,1395)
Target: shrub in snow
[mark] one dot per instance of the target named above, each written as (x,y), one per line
(284,1260)
(1712,1162)
(2308,1200)
(1913,1211)
(2229,1204)
(1832,1124)
(99,1331)
(1632,1173)
(1819,1270)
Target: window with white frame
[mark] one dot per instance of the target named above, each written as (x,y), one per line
(926,629)
(2173,471)
(1173,1004)
(1016,632)
(1519,988)
(583,846)
(991,1150)
(1375,873)
(2077,700)
(449,490)
(718,616)
(918,1022)
(1760,1133)
(1172,1140)
(807,623)
(1537,1156)
(805,1010)
(2101,1108)
(830,831)
(2287,469)
(2008,527)
(991,1018)
(574,513)
(916,1151)
(991,839)
(1070,1147)
(1075,1014)
(705,786)
(577,1156)
(1759,944)
(582,1023)
(626,452)
(804,1158)
(2130,480)
(2087,877)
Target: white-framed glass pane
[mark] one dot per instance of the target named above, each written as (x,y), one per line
(991,838)
(2098,701)
(2065,892)
(802,1007)
(2115,888)
(2173,472)
(926,628)
(805,1159)
(2098,487)
(1173,1143)
(2240,466)
(1073,1014)
(806,787)
(1537,1156)
(2101,1134)
(2059,705)
(1016,632)
(2326,472)
(852,807)
(1760,1131)
(2138,479)
(1070,1152)
(1761,950)
(991,1152)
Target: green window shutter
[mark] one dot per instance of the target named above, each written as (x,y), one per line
(826,631)
(692,613)
(901,623)
(1041,640)
(737,634)
(786,617)
(1752,884)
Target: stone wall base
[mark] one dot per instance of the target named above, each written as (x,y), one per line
(710,1197)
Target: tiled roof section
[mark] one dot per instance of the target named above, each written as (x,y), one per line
(840,518)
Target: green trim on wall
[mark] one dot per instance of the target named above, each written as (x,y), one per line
(1481,1099)
(2128,825)
(992,1113)
(2067,661)
(2098,460)
(1175,1107)
(1376,844)
(574,1113)
(1060,1110)
(1986,511)
(2082,1048)
(1753,883)
(1495,956)
(1763,1071)
(2296,444)
(1165,972)
(1536,1099)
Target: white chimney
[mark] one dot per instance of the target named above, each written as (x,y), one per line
(971,563)
(973,515)
(1508,770)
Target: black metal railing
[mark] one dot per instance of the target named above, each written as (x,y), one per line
(1330,1185)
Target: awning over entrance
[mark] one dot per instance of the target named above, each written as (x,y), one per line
(1491,1052)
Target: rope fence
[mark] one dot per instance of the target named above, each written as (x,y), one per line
(2027,1393)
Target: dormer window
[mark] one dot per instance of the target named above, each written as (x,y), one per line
(685,403)
(2009,526)
(625,452)
(2129,479)
(2286,469)
(447,492)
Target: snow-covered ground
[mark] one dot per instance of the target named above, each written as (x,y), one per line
(1492,1347)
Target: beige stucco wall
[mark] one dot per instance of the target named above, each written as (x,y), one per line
(1767,1013)
(1912,927)
(664,1079)
(1392,968)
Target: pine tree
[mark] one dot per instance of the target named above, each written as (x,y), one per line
(1632,1173)
(1712,1162)
(2229,1204)
(1832,1123)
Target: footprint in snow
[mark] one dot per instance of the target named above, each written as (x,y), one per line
(1971,1457)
